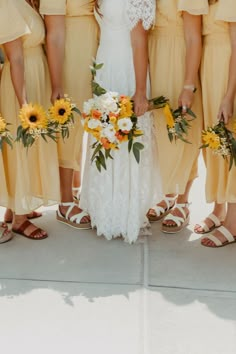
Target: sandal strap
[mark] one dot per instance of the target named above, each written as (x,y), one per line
(76,189)
(178,219)
(74,218)
(214,219)
(159,209)
(214,239)
(226,233)
(24,226)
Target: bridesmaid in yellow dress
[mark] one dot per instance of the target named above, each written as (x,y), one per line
(72,40)
(218,75)
(32,177)
(175,53)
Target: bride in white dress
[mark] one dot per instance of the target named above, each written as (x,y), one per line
(118,198)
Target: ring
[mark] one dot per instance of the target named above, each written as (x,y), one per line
(184,108)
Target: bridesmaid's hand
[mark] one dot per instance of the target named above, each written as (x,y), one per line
(226,110)
(56,95)
(140,104)
(186,99)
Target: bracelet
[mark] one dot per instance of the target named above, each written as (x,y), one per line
(190,87)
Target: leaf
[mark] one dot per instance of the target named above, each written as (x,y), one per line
(98,165)
(98,66)
(98,148)
(136,153)
(130,144)
(191,113)
(102,160)
(138,146)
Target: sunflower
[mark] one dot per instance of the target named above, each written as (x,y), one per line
(61,111)
(2,125)
(211,139)
(33,116)
(169,116)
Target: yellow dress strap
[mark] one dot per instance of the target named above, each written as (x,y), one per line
(226,11)
(12,23)
(194,7)
(53,7)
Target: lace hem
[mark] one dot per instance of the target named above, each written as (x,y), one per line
(141,10)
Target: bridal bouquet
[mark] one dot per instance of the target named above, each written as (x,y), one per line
(62,117)
(178,123)
(5,135)
(221,141)
(110,118)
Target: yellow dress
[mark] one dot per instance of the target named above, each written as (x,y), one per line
(80,47)
(32,177)
(167,50)
(220,183)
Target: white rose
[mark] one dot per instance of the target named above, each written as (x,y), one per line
(94,123)
(125,124)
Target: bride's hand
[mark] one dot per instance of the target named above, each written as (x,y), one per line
(140,104)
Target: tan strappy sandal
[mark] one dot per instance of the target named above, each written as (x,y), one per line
(161,212)
(74,220)
(218,243)
(180,221)
(205,229)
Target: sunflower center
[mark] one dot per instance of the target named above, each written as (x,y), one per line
(62,111)
(33,119)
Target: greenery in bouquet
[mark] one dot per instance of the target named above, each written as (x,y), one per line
(178,123)
(62,117)
(34,124)
(5,135)
(221,141)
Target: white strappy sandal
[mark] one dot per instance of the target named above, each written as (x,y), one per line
(160,211)
(218,243)
(205,229)
(75,220)
(180,221)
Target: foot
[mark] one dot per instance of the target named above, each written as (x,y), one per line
(219,237)
(160,210)
(8,217)
(24,227)
(5,234)
(175,212)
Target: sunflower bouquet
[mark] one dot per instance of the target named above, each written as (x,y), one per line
(34,124)
(62,117)
(178,123)
(5,135)
(221,141)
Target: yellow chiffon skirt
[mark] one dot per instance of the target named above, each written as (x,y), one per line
(220,183)
(178,160)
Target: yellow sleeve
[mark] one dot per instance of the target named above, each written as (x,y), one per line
(226,11)
(12,23)
(194,7)
(53,7)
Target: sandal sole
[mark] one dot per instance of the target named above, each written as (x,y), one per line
(223,245)
(29,237)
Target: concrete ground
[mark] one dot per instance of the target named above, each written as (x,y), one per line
(80,294)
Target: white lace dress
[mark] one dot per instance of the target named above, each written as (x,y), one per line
(118,199)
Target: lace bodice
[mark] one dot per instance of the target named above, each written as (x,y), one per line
(128,13)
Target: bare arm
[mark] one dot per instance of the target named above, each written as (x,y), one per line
(227,105)
(140,57)
(193,39)
(55,42)
(14,53)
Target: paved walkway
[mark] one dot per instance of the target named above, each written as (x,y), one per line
(79,294)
